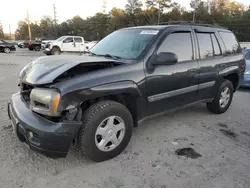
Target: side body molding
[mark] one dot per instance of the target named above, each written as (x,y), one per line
(126,87)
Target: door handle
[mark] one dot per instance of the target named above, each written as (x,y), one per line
(223,66)
(192,71)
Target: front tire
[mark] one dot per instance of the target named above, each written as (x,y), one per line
(106,131)
(55,51)
(7,50)
(223,98)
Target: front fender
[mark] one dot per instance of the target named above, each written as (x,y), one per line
(75,98)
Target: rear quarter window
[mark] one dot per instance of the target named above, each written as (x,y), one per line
(231,43)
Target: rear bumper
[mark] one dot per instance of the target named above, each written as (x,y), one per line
(50,138)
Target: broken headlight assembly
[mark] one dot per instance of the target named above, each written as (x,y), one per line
(45,101)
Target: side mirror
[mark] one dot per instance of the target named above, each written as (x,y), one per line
(165,58)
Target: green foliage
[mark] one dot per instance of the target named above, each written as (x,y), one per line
(1,32)
(133,7)
(226,13)
(159,4)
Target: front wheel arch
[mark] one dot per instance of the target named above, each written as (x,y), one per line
(55,49)
(126,92)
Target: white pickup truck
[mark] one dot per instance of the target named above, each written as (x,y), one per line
(65,44)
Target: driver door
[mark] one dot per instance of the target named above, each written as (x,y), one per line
(68,45)
(171,86)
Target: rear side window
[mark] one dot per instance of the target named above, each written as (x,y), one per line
(205,45)
(180,44)
(232,46)
(78,40)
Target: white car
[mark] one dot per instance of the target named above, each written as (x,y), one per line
(45,43)
(65,44)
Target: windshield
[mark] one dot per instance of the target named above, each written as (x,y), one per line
(127,44)
(247,54)
(60,39)
(2,41)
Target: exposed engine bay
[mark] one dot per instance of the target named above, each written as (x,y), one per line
(85,68)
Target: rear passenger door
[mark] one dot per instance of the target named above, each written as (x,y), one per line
(79,43)
(209,58)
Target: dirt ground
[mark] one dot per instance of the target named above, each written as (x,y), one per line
(222,143)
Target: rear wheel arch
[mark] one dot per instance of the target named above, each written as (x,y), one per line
(234,78)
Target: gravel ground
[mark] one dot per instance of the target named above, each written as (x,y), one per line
(222,143)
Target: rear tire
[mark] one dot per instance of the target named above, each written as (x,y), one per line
(100,139)
(37,48)
(223,98)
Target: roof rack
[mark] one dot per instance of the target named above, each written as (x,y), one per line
(190,23)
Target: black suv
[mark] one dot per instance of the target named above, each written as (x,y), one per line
(6,47)
(94,100)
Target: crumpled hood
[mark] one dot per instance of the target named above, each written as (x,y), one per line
(45,70)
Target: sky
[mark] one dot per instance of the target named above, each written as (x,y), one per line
(14,10)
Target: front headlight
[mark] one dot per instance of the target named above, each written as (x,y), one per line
(45,101)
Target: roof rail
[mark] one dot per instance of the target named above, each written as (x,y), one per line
(190,23)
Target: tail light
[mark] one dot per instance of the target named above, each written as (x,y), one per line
(29,43)
(243,64)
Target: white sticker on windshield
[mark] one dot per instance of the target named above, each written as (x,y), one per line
(149,32)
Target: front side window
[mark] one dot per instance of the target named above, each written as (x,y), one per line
(232,46)
(68,40)
(205,45)
(127,43)
(179,44)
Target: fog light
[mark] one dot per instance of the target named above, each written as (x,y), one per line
(30,134)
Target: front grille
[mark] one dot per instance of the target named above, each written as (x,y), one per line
(25,91)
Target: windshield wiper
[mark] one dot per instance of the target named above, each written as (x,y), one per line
(106,55)
(89,52)
(111,56)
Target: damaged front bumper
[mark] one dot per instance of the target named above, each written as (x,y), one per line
(47,51)
(50,138)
